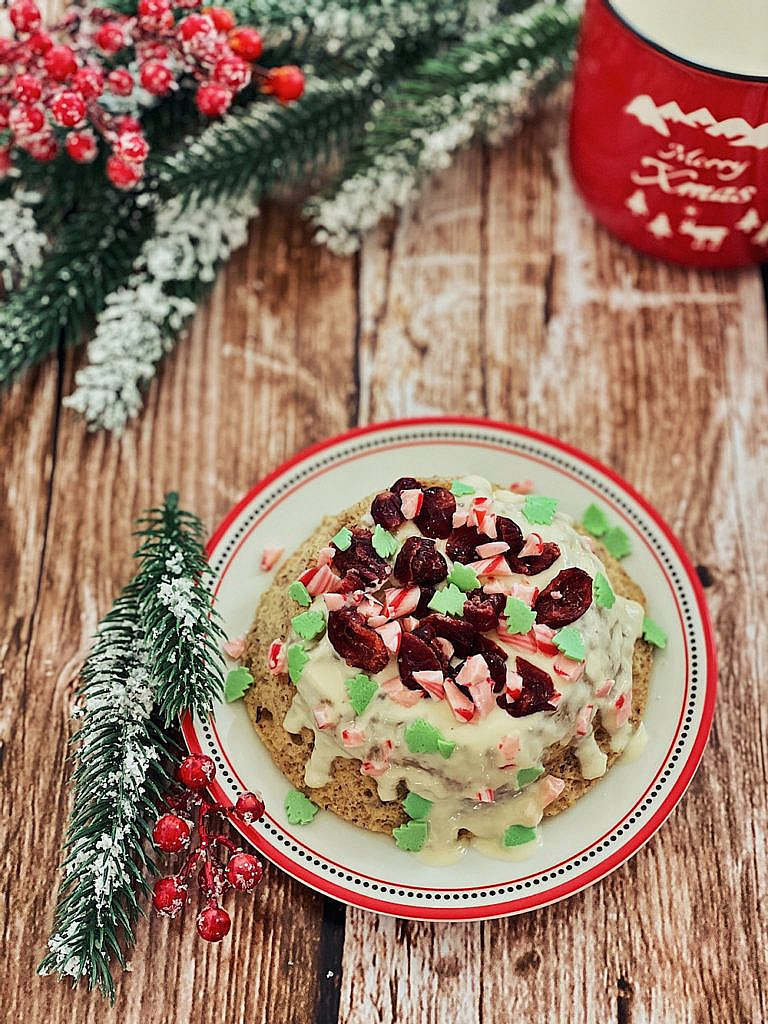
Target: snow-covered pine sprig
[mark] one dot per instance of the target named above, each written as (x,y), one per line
(182,633)
(141,319)
(134,681)
(21,243)
(483,85)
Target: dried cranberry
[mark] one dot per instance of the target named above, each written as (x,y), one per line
(463,635)
(532,565)
(497,669)
(415,655)
(536,693)
(405,483)
(436,516)
(510,532)
(386,510)
(462,543)
(360,566)
(487,646)
(422,608)
(419,561)
(483,610)
(358,644)
(565,599)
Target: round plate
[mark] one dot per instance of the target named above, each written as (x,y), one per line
(581,845)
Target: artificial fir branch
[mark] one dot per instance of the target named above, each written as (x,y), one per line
(182,632)
(482,85)
(154,656)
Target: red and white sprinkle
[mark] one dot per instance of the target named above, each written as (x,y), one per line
(270,557)
(485,796)
(276,657)
(411,501)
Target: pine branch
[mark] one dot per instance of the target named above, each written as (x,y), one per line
(182,632)
(154,657)
(119,775)
(483,85)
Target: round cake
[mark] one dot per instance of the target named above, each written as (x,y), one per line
(448,662)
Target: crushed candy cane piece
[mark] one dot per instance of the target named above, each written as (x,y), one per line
(568,668)
(623,710)
(276,661)
(462,707)
(377,620)
(534,545)
(409,623)
(584,719)
(320,580)
(234,648)
(488,525)
(391,633)
(605,688)
(411,501)
(406,698)
(485,796)
(496,566)
(431,681)
(270,557)
(323,715)
(545,639)
(374,768)
(351,736)
(509,748)
(473,671)
(522,487)
(370,606)
(520,641)
(325,556)
(514,684)
(493,547)
(401,601)
(550,789)
(334,602)
(484,698)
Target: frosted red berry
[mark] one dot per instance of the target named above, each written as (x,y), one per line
(222,19)
(171,833)
(194,25)
(123,174)
(60,63)
(25,16)
(246,42)
(286,84)
(249,807)
(155,15)
(27,88)
(156,77)
(120,82)
(196,771)
(26,119)
(213,99)
(127,123)
(168,896)
(39,43)
(5,110)
(81,146)
(232,71)
(244,872)
(89,82)
(213,923)
(131,146)
(110,37)
(68,108)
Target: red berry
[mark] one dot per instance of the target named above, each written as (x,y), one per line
(39,42)
(25,16)
(150,8)
(223,19)
(26,119)
(212,884)
(110,37)
(81,146)
(213,923)
(249,807)
(43,148)
(212,99)
(155,15)
(286,83)
(168,896)
(131,147)
(122,174)
(194,25)
(89,82)
(68,108)
(156,77)
(196,771)
(244,872)
(5,162)
(60,62)
(120,82)
(246,42)
(5,110)
(27,87)
(232,71)
(171,833)
(126,123)
(154,51)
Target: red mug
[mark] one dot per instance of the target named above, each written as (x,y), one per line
(669,155)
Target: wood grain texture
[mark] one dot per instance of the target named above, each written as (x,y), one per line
(497,295)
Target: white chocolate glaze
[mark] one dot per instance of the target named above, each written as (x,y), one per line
(457,819)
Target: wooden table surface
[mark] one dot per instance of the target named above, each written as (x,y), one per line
(495,295)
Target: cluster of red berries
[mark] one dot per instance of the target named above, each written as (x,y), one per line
(62,88)
(172,834)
